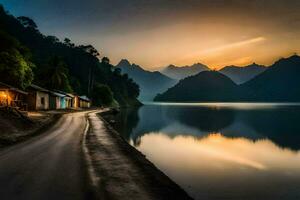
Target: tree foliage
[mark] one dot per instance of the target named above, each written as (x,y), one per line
(15,64)
(102,95)
(57,74)
(85,70)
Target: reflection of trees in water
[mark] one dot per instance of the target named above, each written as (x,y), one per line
(279,125)
(126,120)
(204,119)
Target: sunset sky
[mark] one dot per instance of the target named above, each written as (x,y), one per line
(160,32)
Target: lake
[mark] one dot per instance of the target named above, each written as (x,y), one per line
(236,151)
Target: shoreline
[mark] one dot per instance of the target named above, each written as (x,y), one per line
(146,180)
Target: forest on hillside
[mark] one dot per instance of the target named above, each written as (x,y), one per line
(27,56)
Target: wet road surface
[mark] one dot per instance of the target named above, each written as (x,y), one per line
(48,166)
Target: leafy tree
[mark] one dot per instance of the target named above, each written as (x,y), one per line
(27,22)
(15,64)
(85,69)
(105,60)
(102,95)
(57,74)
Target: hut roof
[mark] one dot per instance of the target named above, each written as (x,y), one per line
(4,86)
(65,93)
(57,94)
(84,98)
(38,88)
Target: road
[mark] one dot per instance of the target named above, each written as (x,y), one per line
(48,166)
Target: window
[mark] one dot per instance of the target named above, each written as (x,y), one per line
(42,100)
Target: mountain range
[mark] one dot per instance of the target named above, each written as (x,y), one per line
(279,82)
(177,73)
(242,74)
(151,83)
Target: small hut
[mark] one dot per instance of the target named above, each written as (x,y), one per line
(84,102)
(56,100)
(12,97)
(72,100)
(38,98)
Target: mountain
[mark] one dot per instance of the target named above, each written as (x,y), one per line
(242,74)
(178,73)
(280,82)
(205,86)
(151,83)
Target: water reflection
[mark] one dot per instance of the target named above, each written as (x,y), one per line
(221,151)
(279,124)
(217,167)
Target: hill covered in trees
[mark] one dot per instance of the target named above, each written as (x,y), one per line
(278,83)
(27,56)
(205,86)
(151,83)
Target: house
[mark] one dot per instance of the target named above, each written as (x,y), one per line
(84,102)
(56,100)
(13,97)
(38,98)
(71,100)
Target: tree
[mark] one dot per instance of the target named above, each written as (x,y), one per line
(27,22)
(57,74)
(15,64)
(90,50)
(105,60)
(102,95)
(68,42)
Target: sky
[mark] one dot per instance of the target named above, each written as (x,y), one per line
(156,33)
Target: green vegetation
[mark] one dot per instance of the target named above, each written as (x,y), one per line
(59,65)
(58,74)
(102,95)
(15,64)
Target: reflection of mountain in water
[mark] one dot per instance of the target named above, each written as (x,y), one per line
(279,124)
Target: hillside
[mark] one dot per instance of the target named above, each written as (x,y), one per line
(280,82)
(55,64)
(205,86)
(151,83)
(242,74)
(178,73)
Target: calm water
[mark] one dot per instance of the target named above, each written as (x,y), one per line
(221,151)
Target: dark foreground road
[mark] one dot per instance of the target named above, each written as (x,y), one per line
(81,158)
(48,166)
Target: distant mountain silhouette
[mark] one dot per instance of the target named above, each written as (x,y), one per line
(278,83)
(242,74)
(205,86)
(151,83)
(178,73)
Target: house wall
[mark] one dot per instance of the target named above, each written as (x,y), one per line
(62,103)
(75,103)
(4,98)
(42,101)
(54,102)
(84,104)
(68,102)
